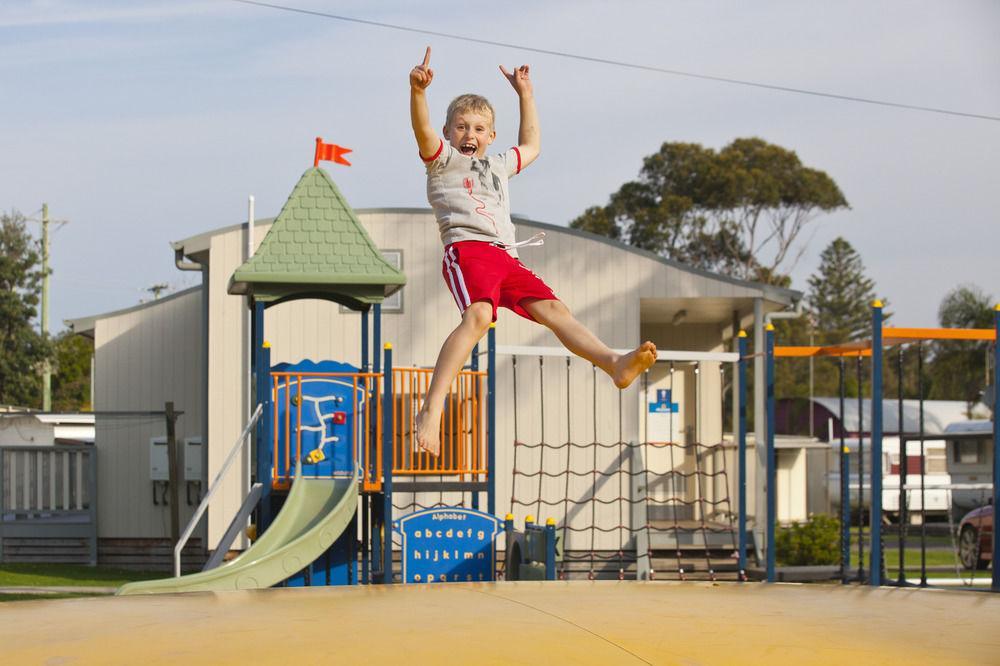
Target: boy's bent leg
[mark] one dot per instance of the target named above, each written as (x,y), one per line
(454,352)
(622,368)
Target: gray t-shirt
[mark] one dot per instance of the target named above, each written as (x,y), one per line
(469,195)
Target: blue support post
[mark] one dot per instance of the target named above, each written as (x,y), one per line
(474,363)
(266,445)
(875,563)
(261,360)
(257,364)
(741,453)
(772,491)
(387,465)
(365,499)
(491,420)
(995,583)
(550,549)
(845,482)
(377,332)
(364,340)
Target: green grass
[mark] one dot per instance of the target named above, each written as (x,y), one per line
(59,575)
(934,558)
(42,597)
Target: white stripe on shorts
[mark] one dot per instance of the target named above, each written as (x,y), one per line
(451,265)
(461,281)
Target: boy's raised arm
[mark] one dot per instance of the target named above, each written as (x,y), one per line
(428,141)
(529,138)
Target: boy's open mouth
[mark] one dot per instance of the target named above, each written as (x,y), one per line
(467,149)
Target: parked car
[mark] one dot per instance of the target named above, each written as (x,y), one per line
(975,538)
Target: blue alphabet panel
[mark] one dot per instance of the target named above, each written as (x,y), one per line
(448,545)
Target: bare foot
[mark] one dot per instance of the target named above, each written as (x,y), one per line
(633,364)
(427,432)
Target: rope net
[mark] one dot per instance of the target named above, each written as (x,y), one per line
(625,506)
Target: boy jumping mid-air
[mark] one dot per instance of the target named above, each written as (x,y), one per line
(468,191)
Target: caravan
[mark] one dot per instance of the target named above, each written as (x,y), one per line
(926,495)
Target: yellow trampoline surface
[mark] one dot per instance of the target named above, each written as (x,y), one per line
(502,623)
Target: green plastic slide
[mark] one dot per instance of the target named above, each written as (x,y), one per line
(315,514)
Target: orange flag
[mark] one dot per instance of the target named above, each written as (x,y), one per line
(330,152)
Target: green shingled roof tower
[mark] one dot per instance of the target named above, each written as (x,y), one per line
(317,248)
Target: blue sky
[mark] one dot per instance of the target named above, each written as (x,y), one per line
(143,123)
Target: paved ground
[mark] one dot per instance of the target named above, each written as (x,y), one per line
(603,622)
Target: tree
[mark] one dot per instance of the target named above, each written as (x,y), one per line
(838,310)
(738,211)
(840,295)
(71,378)
(958,368)
(22,348)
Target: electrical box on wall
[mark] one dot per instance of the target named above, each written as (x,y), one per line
(193,459)
(159,462)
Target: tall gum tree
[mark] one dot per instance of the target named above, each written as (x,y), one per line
(738,211)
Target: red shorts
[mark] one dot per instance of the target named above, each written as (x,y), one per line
(480,271)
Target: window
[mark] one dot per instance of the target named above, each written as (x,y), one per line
(393,304)
(968,452)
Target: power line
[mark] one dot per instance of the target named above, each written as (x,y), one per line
(620,63)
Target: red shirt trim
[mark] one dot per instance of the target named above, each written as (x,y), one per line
(518,160)
(438,153)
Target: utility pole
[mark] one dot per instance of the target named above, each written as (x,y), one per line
(46,366)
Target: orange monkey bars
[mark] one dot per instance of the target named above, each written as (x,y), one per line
(890,336)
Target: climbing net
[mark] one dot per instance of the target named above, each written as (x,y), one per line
(631,495)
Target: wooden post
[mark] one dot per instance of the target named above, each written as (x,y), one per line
(175,474)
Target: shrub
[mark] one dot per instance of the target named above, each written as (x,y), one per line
(814,542)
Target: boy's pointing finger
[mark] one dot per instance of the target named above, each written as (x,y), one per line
(427,57)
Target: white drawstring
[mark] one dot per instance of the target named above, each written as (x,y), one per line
(537,239)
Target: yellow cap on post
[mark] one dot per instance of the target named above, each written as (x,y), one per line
(997,307)
(876,303)
(529,519)
(493,324)
(266,345)
(550,521)
(509,516)
(769,327)
(741,334)
(387,345)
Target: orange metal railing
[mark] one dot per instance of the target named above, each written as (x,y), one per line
(462,431)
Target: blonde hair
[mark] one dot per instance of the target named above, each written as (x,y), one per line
(473,103)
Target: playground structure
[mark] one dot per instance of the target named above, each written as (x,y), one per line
(336,462)
(366,448)
(658,503)
(873,349)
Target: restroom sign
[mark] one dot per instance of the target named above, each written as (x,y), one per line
(448,545)
(663,403)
